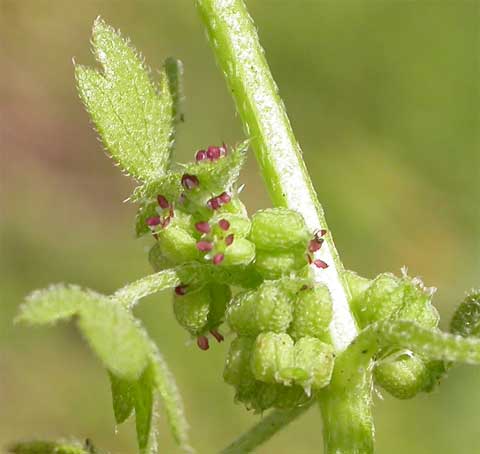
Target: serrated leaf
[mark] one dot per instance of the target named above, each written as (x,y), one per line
(115,336)
(123,397)
(133,116)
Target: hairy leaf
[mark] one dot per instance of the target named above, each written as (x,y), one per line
(123,397)
(133,116)
(49,447)
(144,411)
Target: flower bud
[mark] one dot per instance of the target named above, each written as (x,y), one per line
(192,310)
(239,252)
(417,305)
(177,245)
(267,308)
(271,353)
(273,265)
(312,313)
(276,229)
(466,319)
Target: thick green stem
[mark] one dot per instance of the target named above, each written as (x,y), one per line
(235,42)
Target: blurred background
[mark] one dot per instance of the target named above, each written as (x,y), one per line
(384,98)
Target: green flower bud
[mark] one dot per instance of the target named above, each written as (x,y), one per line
(312,313)
(277,229)
(271,353)
(157,260)
(466,319)
(239,225)
(356,284)
(382,299)
(192,310)
(240,252)
(404,376)
(417,305)
(273,265)
(267,308)
(316,359)
(177,245)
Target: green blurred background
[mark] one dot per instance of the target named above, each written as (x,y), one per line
(384,98)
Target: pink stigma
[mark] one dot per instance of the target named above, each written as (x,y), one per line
(203,227)
(204,246)
(190,181)
(154,221)
(181,290)
(217,259)
(224,224)
(162,201)
(320,264)
(202,343)
(201,155)
(217,335)
(229,239)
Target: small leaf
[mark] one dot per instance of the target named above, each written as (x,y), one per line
(144,411)
(48,447)
(132,116)
(123,397)
(174,71)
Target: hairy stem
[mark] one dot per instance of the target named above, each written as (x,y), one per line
(264,430)
(235,42)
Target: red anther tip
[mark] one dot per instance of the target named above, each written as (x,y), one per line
(202,227)
(153,221)
(190,181)
(162,201)
(217,335)
(214,203)
(213,153)
(223,149)
(204,246)
(217,259)
(201,155)
(224,198)
(320,264)
(229,239)
(322,232)
(315,244)
(224,224)
(202,343)
(180,290)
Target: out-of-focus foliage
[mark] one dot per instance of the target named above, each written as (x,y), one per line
(384,99)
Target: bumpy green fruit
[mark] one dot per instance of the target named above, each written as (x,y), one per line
(272,352)
(312,313)
(417,306)
(240,252)
(403,377)
(316,358)
(237,366)
(239,225)
(267,308)
(466,319)
(273,265)
(177,245)
(192,310)
(382,299)
(356,283)
(277,229)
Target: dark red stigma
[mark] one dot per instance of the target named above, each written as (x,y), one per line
(204,246)
(315,244)
(217,335)
(181,290)
(320,264)
(202,343)
(202,227)
(190,181)
(153,221)
(229,239)
(224,224)
(201,155)
(218,258)
(162,201)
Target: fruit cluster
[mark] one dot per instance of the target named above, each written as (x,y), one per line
(282,353)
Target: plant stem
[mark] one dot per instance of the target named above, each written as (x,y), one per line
(264,430)
(235,42)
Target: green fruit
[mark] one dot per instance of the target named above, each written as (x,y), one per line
(417,306)
(273,265)
(356,284)
(267,308)
(466,319)
(312,313)
(403,377)
(278,229)
(271,353)
(157,260)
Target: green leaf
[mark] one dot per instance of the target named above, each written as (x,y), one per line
(123,397)
(144,411)
(133,116)
(174,71)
